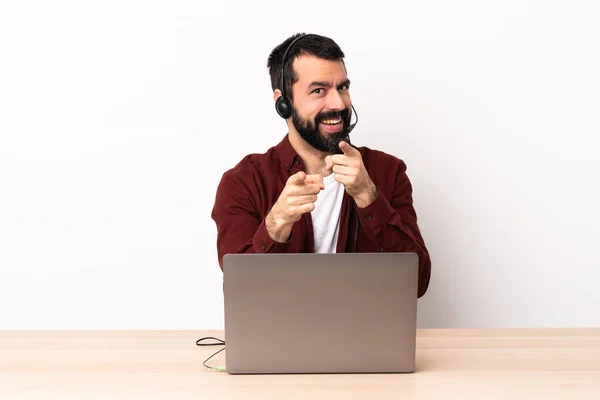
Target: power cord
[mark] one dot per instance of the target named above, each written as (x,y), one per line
(219,342)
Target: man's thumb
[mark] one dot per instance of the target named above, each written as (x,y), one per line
(328,163)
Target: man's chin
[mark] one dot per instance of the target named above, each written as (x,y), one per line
(328,142)
(334,146)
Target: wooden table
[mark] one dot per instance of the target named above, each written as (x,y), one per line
(462,364)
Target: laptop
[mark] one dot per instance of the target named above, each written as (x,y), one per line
(320,313)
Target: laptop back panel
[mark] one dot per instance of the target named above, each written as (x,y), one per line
(320,313)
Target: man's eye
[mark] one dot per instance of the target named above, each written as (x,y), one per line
(344,87)
(318,91)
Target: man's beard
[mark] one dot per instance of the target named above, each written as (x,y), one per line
(325,142)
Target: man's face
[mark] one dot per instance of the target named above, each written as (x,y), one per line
(321,103)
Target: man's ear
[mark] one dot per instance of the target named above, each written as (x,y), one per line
(276,94)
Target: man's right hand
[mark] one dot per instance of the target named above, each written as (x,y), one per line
(298,197)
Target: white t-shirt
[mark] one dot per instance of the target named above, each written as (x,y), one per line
(326,215)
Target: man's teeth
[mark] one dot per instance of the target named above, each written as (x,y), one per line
(331,121)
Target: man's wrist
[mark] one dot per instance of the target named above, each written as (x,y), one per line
(367,197)
(278,231)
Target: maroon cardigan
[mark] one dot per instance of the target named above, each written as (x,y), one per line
(247,192)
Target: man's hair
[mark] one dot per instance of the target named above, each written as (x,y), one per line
(314,45)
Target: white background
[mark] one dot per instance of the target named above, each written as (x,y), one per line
(118,118)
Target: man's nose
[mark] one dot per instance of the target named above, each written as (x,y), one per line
(335,101)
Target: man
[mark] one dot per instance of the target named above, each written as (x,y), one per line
(314,191)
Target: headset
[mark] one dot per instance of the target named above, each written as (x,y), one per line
(283,105)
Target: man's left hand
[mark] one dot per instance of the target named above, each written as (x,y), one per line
(349,170)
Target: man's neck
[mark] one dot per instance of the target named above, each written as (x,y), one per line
(314,160)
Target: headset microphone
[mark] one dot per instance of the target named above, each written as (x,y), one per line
(351,126)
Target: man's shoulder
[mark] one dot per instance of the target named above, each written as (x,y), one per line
(253,163)
(380,159)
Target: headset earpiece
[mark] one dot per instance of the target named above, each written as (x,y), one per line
(283,107)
